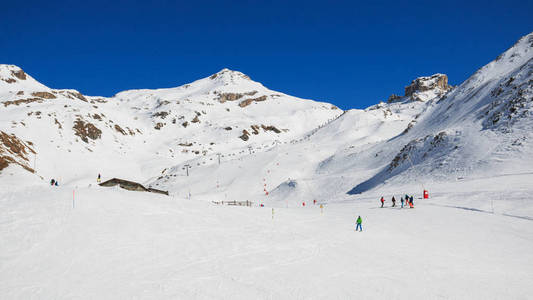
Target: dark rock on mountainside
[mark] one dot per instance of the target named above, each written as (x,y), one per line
(427,83)
(86,130)
(14,151)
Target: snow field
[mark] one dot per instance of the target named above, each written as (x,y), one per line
(116,244)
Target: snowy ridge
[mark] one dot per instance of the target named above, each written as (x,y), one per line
(146,131)
(14,79)
(436,140)
(461,133)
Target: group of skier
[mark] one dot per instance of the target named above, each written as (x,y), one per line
(409,200)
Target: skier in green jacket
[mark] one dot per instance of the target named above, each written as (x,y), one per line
(359,224)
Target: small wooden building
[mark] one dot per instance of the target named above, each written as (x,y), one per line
(131,186)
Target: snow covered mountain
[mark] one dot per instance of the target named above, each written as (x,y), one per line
(434,133)
(272,143)
(140,132)
(483,126)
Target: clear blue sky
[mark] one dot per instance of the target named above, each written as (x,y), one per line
(350,53)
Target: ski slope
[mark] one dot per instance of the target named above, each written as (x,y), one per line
(116,244)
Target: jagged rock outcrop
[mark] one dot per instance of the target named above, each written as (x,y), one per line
(223,97)
(424,88)
(14,151)
(44,95)
(393,98)
(247,102)
(427,83)
(19,74)
(86,130)
(511,100)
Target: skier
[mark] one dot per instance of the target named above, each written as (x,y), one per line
(52,182)
(401,200)
(393,201)
(411,200)
(359,224)
(56,183)
(99,179)
(382,201)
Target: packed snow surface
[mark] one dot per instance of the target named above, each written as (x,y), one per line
(116,244)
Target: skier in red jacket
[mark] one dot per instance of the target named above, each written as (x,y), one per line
(382,201)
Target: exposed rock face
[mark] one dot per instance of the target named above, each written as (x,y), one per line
(420,148)
(229,75)
(9,80)
(44,95)
(77,95)
(22,101)
(86,130)
(14,151)
(19,74)
(393,98)
(255,129)
(119,129)
(270,128)
(427,83)
(512,101)
(59,126)
(223,97)
(161,114)
(229,97)
(247,102)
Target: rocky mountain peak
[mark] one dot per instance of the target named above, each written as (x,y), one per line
(423,89)
(13,79)
(426,83)
(427,87)
(11,73)
(229,76)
